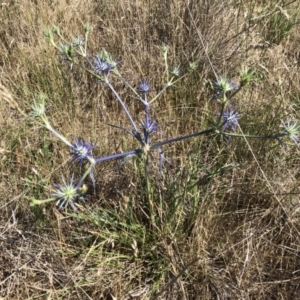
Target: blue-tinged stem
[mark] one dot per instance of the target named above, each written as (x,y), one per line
(159,144)
(146,133)
(93,162)
(118,155)
(122,104)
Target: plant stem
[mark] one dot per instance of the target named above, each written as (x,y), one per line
(271,136)
(122,104)
(159,144)
(119,155)
(149,190)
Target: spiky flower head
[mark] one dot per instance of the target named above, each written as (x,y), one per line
(78,42)
(56,30)
(230,119)
(144,86)
(49,36)
(67,52)
(292,129)
(81,151)
(176,71)
(149,126)
(87,27)
(38,106)
(193,65)
(66,194)
(101,66)
(222,86)
(164,50)
(247,75)
(104,63)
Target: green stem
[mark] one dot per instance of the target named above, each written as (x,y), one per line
(221,113)
(236,91)
(167,85)
(89,71)
(87,172)
(50,128)
(149,192)
(34,201)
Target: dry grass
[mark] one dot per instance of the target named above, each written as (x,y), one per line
(228,213)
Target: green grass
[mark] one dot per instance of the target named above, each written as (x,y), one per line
(223,220)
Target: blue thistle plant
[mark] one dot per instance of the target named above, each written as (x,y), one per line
(48,33)
(193,66)
(148,126)
(80,46)
(67,193)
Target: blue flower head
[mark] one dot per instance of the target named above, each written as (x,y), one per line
(149,126)
(104,63)
(144,86)
(230,118)
(81,151)
(102,67)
